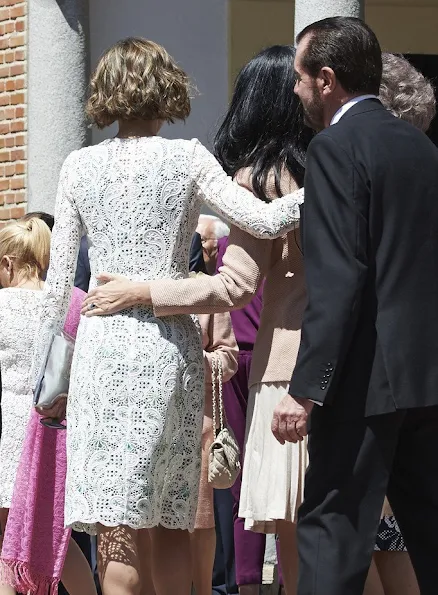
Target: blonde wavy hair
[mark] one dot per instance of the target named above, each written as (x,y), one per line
(27,243)
(406,93)
(137,79)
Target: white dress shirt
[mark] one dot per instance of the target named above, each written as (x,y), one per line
(344,108)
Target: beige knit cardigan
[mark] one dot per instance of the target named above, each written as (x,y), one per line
(247,261)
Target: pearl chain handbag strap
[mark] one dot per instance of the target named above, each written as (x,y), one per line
(216,381)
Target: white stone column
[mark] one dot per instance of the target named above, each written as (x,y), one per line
(57,83)
(309,11)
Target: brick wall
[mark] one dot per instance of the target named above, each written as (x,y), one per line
(12,109)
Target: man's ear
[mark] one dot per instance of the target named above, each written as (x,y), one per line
(328,80)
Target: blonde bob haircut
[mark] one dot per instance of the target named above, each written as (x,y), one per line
(27,243)
(137,79)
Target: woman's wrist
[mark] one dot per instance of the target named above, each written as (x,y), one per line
(141,294)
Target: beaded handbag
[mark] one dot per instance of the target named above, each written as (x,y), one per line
(224,458)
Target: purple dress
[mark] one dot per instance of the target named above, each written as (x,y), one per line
(249,546)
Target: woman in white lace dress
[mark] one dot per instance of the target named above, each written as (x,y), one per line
(136,395)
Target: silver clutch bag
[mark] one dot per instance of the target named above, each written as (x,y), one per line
(54,379)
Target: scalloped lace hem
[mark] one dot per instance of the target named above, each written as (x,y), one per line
(92,527)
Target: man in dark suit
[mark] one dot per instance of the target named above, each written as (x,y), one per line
(367,368)
(197,263)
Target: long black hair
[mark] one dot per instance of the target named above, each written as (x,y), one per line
(264,126)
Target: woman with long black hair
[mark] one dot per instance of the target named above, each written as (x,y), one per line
(262,143)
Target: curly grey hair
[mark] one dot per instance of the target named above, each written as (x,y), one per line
(406,93)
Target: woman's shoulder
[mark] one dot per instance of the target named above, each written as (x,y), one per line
(103,149)
(188,144)
(5,297)
(16,298)
(244,177)
(189,148)
(86,152)
(7,293)
(193,147)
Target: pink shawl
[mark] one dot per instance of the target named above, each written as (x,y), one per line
(35,542)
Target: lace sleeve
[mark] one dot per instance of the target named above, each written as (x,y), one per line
(239,206)
(66,237)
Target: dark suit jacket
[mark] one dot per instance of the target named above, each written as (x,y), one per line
(197,263)
(370,238)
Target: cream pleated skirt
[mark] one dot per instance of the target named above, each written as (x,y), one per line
(273,474)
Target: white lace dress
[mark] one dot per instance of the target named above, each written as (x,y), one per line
(20,311)
(137,389)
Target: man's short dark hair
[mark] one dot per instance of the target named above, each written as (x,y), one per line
(349,47)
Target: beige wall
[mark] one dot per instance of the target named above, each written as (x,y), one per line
(255,24)
(406,26)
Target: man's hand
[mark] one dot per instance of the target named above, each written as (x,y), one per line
(289,422)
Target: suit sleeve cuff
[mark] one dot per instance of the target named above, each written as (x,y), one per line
(304,392)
